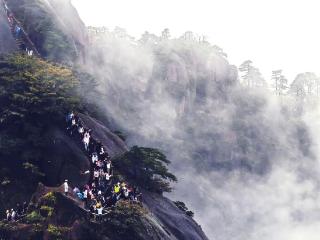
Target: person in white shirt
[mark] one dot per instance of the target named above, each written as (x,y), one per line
(96,175)
(108,176)
(13,215)
(80,130)
(8,214)
(85,197)
(94,157)
(100,210)
(109,166)
(86,141)
(66,187)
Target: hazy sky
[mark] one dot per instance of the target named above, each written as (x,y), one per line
(272,33)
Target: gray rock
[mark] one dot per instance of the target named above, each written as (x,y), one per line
(7,42)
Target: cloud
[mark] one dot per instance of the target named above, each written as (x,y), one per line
(245,165)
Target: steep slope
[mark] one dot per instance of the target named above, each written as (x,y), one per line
(8,44)
(53,26)
(161,219)
(57,38)
(169,217)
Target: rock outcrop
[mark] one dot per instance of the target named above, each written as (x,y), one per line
(7,42)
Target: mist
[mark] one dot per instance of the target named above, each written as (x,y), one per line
(245,160)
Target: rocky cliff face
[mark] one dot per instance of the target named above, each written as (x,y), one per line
(162,212)
(158,219)
(54,26)
(59,34)
(8,44)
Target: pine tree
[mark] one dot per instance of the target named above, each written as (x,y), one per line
(252,76)
(147,168)
(165,35)
(280,83)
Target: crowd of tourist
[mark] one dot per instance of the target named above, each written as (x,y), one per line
(16,213)
(102,190)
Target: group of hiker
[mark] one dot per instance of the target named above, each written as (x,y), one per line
(17,31)
(17,213)
(100,193)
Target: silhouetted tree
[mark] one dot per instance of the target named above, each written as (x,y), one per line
(147,168)
(305,84)
(251,77)
(165,34)
(149,38)
(280,83)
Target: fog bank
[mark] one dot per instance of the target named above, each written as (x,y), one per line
(247,164)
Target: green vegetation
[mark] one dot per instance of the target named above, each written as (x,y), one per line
(49,199)
(34,217)
(46,211)
(56,231)
(34,169)
(34,97)
(125,221)
(182,206)
(146,167)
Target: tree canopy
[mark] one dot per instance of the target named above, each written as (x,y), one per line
(147,167)
(34,96)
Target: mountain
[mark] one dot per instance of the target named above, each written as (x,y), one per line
(35,146)
(53,26)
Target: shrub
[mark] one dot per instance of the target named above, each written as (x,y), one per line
(34,217)
(182,206)
(56,231)
(46,211)
(49,199)
(147,167)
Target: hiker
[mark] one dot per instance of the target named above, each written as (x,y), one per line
(10,18)
(102,153)
(107,176)
(94,157)
(109,166)
(99,210)
(85,197)
(80,195)
(80,130)
(125,193)
(76,190)
(17,31)
(96,175)
(99,164)
(8,215)
(86,140)
(13,215)
(117,188)
(66,187)
(69,117)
